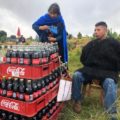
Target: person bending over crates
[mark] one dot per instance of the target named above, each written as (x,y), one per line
(51,28)
(101,60)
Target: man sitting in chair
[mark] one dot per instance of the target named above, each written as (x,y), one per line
(101,60)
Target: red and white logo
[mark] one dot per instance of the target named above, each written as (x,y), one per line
(10,104)
(16,71)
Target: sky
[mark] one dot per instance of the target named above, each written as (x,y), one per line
(79,15)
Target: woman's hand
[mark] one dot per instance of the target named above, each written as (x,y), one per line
(44,27)
(52,39)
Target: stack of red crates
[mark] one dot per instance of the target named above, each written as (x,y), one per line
(30,109)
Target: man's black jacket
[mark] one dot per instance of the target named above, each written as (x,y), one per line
(101,59)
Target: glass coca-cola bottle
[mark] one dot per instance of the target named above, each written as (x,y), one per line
(20,57)
(27,58)
(51,81)
(15,88)
(29,91)
(4,115)
(10,116)
(43,86)
(45,57)
(9,87)
(39,86)
(35,58)
(35,88)
(14,58)
(8,56)
(21,89)
(4,86)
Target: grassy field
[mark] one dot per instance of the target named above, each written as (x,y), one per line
(91,107)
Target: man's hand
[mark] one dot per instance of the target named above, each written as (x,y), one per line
(44,27)
(52,39)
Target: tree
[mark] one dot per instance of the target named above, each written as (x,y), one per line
(3,36)
(12,37)
(79,36)
(70,36)
(112,34)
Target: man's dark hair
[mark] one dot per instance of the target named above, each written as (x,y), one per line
(54,8)
(101,24)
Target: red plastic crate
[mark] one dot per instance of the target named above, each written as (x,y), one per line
(25,71)
(28,109)
(22,71)
(57,112)
(56,63)
(53,92)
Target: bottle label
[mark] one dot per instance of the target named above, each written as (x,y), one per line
(36,61)
(26,61)
(21,96)
(44,60)
(53,55)
(28,98)
(14,60)
(14,95)
(39,92)
(4,92)
(35,94)
(8,60)
(43,90)
(9,93)
(51,85)
(20,60)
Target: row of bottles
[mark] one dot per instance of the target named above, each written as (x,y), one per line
(42,55)
(28,90)
(45,113)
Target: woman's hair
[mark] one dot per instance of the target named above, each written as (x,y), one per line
(54,8)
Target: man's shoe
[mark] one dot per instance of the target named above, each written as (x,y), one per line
(77,106)
(113,117)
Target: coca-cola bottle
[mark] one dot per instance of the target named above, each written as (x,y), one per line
(35,88)
(47,83)
(21,89)
(45,57)
(51,81)
(35,58)
(4,115)
(9,87)
(54,105)
(40,115)
(10,116)
(29,91)
(8,56)
(14,58)
(4,86)
(44,111)
(15,88)
(39,86)
(54,79)
(43,86)
(16,117)
(27,58)
(20,57)
(49,112)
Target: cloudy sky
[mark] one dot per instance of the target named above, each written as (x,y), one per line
(79,15)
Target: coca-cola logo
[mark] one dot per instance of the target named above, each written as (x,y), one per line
(16,71)
(10,105)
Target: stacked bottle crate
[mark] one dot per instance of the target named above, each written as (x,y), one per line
(29,83)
